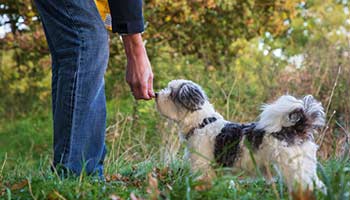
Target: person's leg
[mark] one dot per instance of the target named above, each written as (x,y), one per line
(78,44)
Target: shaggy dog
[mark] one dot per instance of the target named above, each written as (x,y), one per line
(282,137)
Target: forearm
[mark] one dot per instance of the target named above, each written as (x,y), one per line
(138,70)
(133,46)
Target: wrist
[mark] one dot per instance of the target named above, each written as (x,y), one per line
(133,45)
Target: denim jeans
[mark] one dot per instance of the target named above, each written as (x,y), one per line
(78,42)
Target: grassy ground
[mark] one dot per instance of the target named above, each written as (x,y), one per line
(143,165)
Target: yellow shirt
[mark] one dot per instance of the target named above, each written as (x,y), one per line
(103,9)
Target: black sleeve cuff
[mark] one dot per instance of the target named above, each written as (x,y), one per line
(127,17)
(127,27)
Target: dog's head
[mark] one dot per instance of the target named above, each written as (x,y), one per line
(180,98)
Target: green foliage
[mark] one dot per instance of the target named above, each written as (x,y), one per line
(207,28)
(231,42)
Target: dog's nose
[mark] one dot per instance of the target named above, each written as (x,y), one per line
(156,94)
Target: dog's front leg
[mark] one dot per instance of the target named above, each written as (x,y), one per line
(204,167)
(200,163)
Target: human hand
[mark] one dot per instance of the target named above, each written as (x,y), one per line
(139,73)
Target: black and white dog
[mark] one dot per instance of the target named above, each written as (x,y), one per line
(282,137)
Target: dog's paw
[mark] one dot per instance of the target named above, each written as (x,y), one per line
(204,183)
(303,195)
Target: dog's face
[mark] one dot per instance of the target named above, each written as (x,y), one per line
(180,98)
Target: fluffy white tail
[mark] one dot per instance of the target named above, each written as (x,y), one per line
(287,111)
(314,111)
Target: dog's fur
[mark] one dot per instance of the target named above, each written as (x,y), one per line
(282,137)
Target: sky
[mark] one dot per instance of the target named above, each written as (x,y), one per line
(4,29)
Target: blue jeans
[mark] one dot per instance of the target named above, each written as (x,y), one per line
(78,43)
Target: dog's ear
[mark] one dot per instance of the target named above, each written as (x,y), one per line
(190,96)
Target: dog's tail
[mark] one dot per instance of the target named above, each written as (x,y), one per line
(314,112)
(287,111)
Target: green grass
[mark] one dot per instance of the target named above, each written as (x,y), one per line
(134,165)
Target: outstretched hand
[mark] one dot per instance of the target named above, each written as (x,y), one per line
(139,73)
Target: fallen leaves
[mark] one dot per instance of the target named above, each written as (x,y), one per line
(16,186)
(161,174)
(19,185)
(134,197)
(124,179)
(203,184)
(116,177)
(2,191)
(154,178)
(114,197)
(55,195)
(152,188)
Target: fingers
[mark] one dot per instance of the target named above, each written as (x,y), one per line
(140,79)
(144,91)
(150,86)
(141,91)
